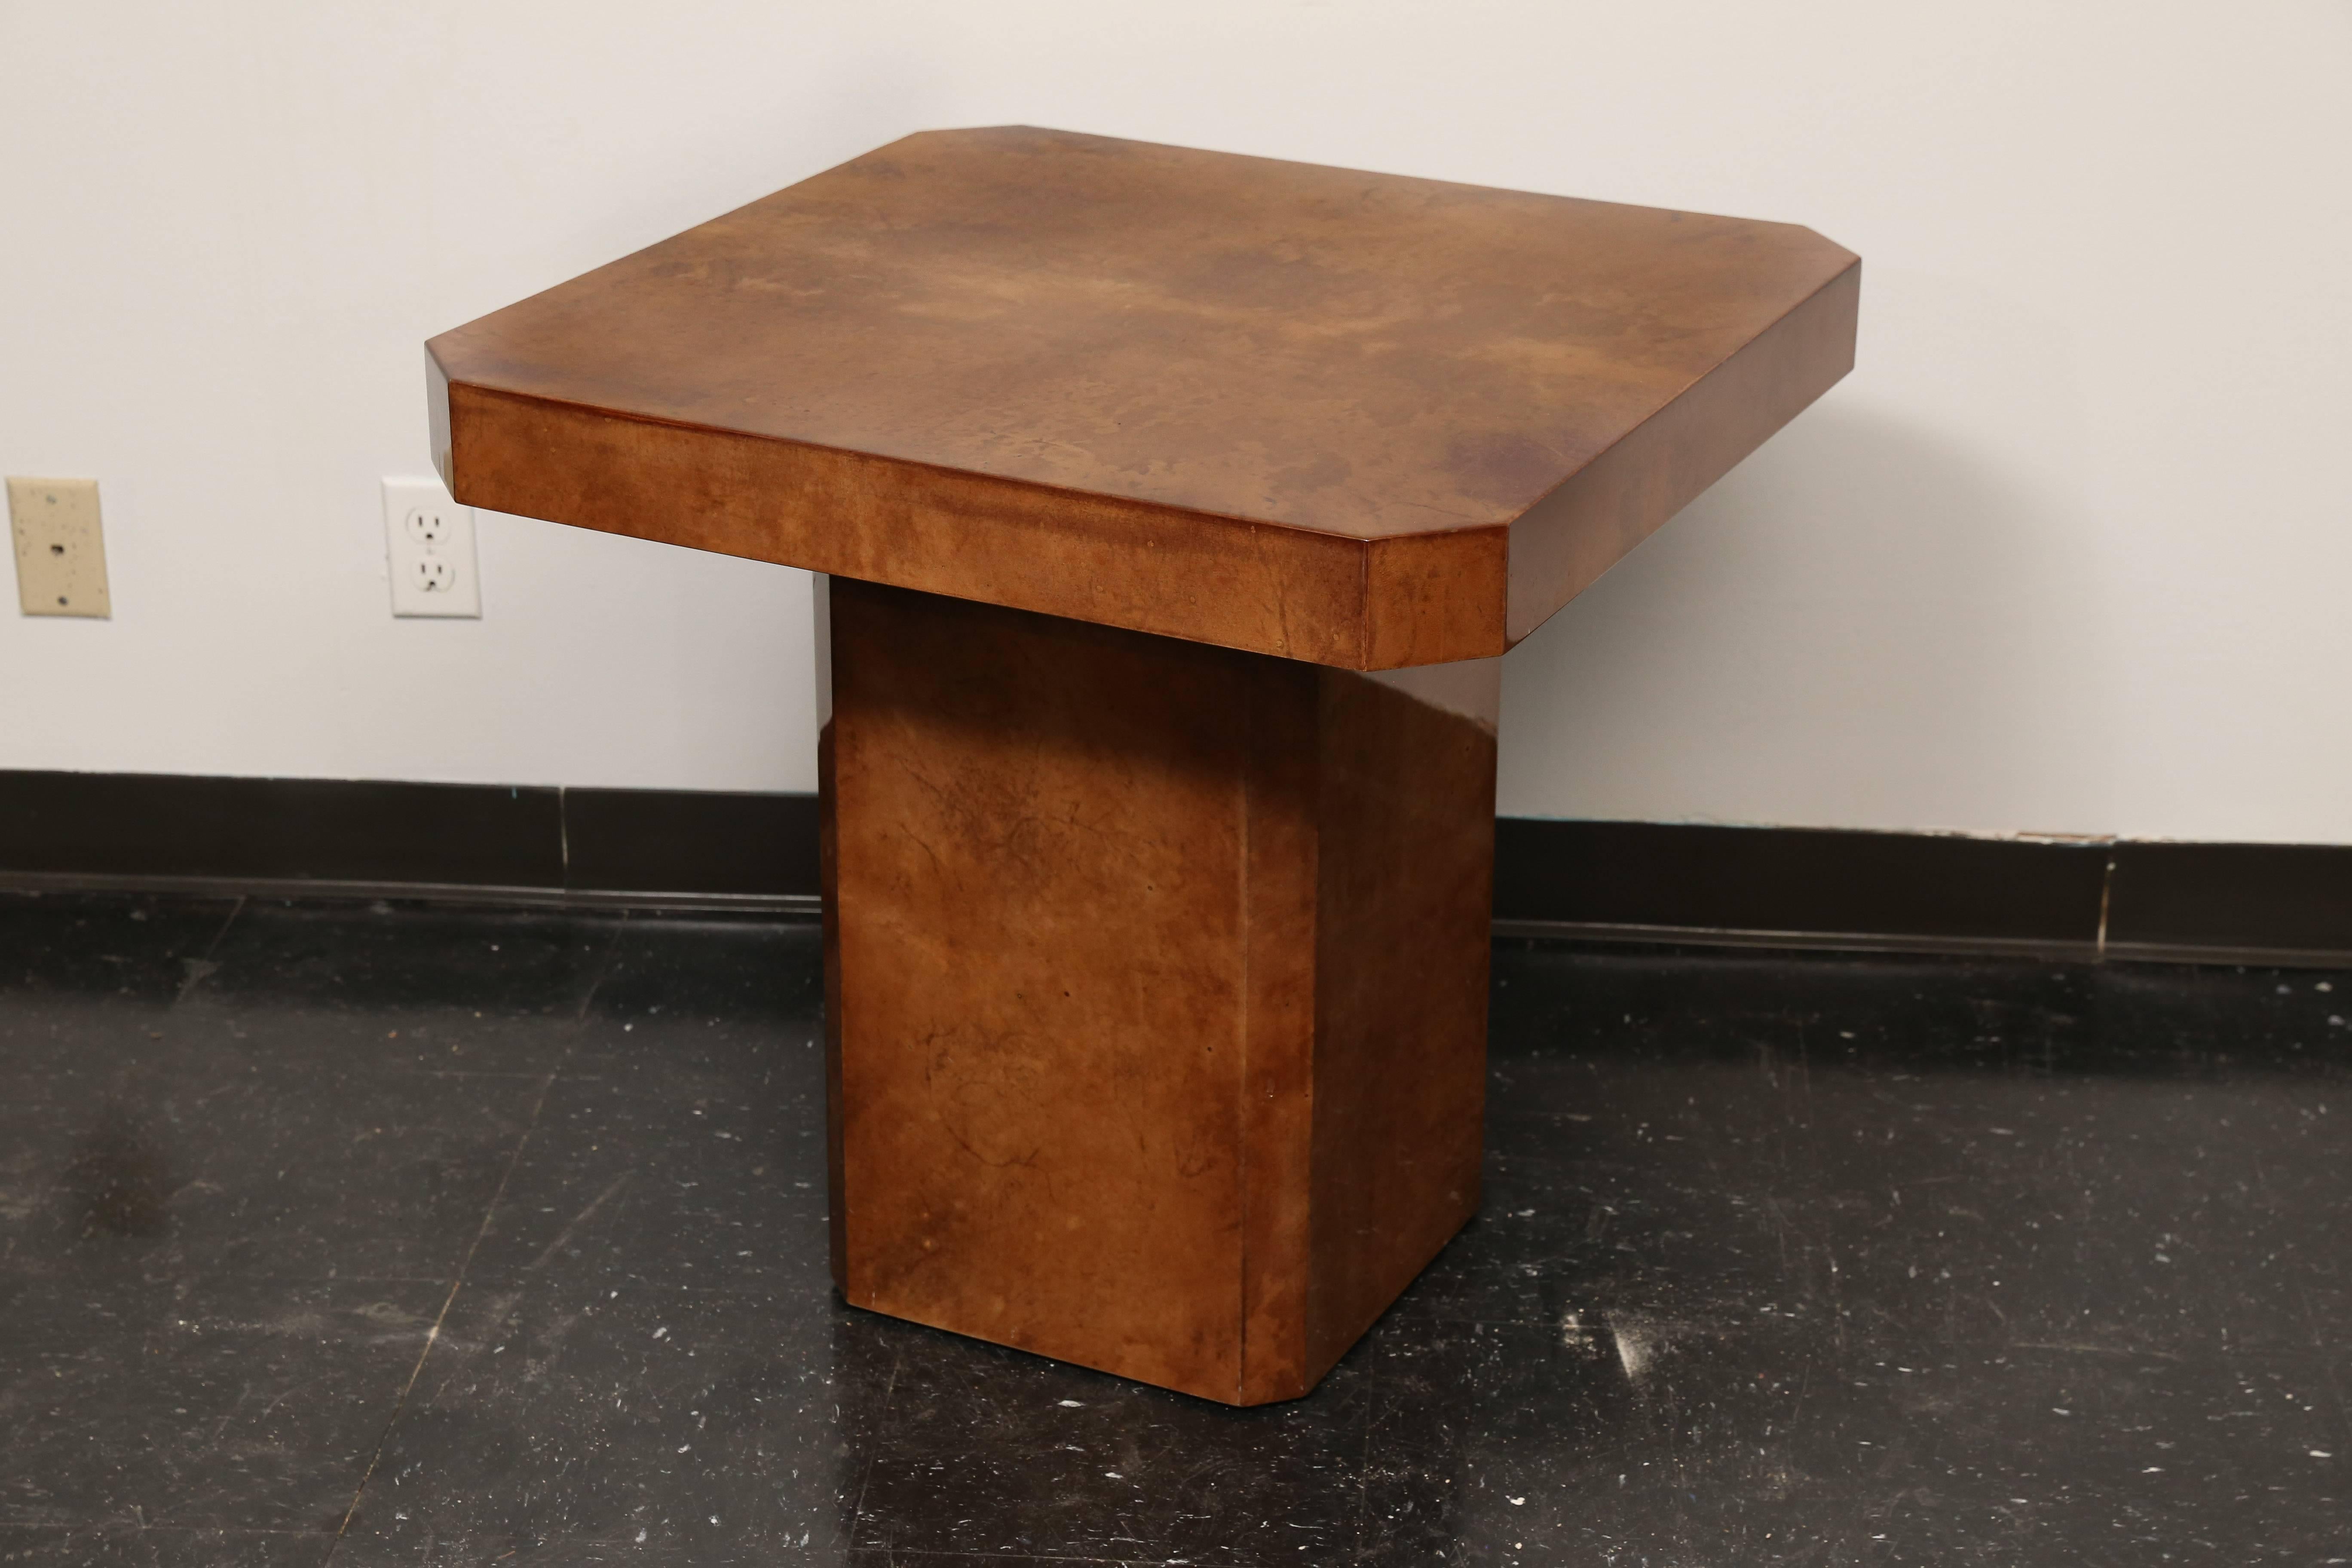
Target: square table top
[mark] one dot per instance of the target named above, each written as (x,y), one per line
(1359,419)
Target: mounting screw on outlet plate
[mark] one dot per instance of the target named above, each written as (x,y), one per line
(429,544)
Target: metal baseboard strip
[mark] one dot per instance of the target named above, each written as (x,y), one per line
(1802,941)
(800,906)
(806,906)
(2054,951)
(2245,957)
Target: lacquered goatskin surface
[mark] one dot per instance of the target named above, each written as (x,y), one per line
(1354,418)
(1783,1260)
(1161,988)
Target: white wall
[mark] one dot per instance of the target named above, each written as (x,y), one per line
(2068,553)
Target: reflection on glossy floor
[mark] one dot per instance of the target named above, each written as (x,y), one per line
(361,1235)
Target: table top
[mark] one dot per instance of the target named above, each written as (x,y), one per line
(1360,419)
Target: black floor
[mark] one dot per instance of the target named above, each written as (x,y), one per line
(361,1235)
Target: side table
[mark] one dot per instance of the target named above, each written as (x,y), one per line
(1173,511)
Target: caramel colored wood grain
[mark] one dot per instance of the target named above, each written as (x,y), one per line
(1405,887)
(1040,833)
(1563,544)
(1159,973)
(1280,964)
(1093,558)
(1359,420)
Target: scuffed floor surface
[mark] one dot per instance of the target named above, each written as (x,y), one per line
(396,1235)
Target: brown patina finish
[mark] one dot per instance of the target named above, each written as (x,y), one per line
(1176,507)
(1160,1019)
(1357,419)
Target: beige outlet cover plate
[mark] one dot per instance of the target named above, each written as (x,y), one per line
(61,554)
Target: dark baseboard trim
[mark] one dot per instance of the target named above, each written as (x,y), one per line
(524,840)
(2270,904)
(1816,888)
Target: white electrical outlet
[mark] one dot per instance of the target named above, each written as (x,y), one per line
(429,544)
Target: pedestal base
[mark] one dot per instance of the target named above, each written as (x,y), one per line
(1156,985)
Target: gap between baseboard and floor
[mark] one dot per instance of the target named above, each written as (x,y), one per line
(2080,900)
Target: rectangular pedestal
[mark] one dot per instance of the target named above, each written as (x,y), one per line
(1157,985)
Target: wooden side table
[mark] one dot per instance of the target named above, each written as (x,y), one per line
(1175,509)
